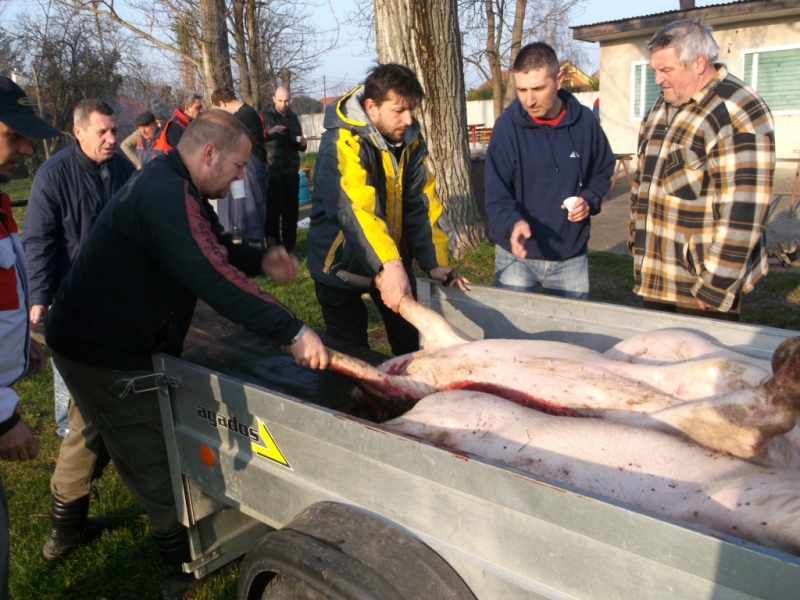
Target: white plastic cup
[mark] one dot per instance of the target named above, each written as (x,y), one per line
(570,202)
(237,189)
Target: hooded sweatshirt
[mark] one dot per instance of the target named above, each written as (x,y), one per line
(371,201)
(532,168)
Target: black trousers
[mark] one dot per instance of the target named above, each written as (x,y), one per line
(283,208)
(346,318)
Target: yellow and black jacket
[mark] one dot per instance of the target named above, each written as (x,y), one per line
(368,206)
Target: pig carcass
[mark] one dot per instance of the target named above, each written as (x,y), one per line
(724,403)
(642,467)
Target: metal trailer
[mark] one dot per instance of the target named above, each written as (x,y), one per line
(343,508)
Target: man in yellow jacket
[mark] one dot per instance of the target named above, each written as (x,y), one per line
(374,208)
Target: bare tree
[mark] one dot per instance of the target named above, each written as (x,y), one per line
(66,61)
(494,31)
(267,36)
(424,35)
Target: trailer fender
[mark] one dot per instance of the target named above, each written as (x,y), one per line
(339,552)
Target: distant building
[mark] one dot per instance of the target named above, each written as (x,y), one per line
(324,102)
(759,43)
(574,78)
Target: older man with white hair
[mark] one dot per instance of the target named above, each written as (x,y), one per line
(706,159)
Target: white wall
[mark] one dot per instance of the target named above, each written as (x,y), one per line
(312,129)
(616,58)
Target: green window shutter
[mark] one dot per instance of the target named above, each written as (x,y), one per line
(778,79)
(637,91)
(748,69)
(651,90)
(643,99)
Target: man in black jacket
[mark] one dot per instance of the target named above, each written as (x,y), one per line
(131,293)
(68,193)
(285,141)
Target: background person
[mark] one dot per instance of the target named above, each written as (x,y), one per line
(548,167)
(147,147)
(284,143)
(68,193)
(700,202)
(19,353)
(367,218)
(191,107)
(244,218)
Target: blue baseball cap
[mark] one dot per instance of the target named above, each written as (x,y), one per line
(16,112)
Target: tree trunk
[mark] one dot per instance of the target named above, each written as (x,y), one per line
(516,44)
(424,36)
(251,21)
(238,18)
(214,45)
(494,35)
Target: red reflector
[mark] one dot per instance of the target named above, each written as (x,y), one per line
(207,454)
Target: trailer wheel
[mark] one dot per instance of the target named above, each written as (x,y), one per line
(335,552)
(281,587)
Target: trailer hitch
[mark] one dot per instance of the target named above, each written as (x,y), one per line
(137,385)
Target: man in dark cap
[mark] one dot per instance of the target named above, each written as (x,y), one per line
(147,146)
(21,355)
(68,194)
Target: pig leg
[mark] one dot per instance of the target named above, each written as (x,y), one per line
(783,352)
(673,346)
(434,329)
(396,393)
(741,423)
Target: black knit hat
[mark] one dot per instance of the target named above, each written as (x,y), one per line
(144,118)
(16,112)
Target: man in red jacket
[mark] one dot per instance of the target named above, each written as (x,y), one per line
(21,355)
(173,129)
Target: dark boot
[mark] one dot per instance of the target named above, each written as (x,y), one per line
(70,527)
(173,548)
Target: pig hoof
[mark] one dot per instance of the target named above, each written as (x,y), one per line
(783,352)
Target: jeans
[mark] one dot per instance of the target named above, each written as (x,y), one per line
(62,401)
(567,278)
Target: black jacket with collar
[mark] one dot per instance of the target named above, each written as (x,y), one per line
(68,193)
(283,149)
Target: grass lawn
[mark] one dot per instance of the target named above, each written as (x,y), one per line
(123,563)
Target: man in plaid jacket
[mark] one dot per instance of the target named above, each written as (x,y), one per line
(706,158)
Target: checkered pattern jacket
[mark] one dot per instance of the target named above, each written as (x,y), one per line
(703,185)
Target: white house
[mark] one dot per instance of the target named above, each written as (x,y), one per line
(759,43)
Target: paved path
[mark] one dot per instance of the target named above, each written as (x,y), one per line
(610,227)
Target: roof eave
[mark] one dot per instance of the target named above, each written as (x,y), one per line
(713,15)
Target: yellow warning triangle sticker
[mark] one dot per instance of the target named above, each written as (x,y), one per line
(268,448)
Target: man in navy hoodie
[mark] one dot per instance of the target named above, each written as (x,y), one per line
(548,167)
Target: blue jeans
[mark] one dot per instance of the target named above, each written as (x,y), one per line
(62,401)
(567,278)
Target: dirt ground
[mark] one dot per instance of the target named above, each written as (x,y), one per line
(610,227)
